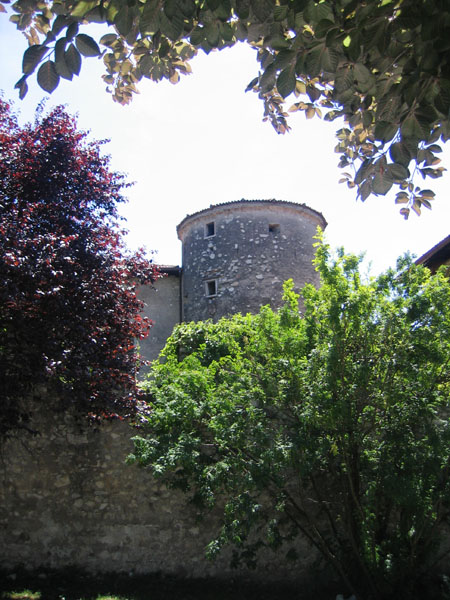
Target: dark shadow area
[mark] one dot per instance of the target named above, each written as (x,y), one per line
(71,584)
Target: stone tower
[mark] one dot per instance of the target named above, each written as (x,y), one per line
(236,255)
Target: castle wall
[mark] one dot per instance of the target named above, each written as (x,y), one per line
(162,306)
(237,255)
(67,499)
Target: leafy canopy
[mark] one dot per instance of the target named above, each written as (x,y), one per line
(69,313)
(331,425)
(381,65)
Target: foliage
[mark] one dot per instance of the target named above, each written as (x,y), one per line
(382,65)
(69,313)
(331,425)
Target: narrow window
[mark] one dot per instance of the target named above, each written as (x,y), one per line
(274,228)
(210,229)
(211,288)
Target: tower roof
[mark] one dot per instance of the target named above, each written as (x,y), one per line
(230,206)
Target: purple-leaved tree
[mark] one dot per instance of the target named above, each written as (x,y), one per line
(69,311)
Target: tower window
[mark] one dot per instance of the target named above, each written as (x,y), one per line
(210,229)
(274,228)
(211,288)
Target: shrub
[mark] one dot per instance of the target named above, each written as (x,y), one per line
(331,425)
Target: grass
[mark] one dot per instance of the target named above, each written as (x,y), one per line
(74,585)
(23,595)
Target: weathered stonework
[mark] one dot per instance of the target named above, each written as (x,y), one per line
(67,499)
(237,255)
(162,306)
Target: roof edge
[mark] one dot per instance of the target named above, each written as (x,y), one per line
(243,201)
(425,258)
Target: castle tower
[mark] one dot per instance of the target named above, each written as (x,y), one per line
(236,255)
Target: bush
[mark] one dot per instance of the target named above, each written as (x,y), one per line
(331,425)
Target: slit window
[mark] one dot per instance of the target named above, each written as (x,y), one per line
(210,229)
(211,288)
(274,228)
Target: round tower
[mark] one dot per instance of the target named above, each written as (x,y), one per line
(236,255)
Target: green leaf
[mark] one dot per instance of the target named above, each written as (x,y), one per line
(111,11)
(96,15)
(344,79)
(252,84)
(213,5)
(425,202)
(363,171)
(313,93)
(286,82)
(60,60)
(108,39)
(321,58)
(400,154)
(263,9)
(268,78)
(172,28)
(212,33)
(398,172)
(82,7)
(427,194)
(416,206)
(48,77)
(243,9)
(223,11)
(364,190)
(314,13)
(170,8)
(402,198)
(124,19)
(442,100)
(73,59)
(59,24)
(385,131)
(227,32)
(197,36)
(86,45)
(361,72)
(382,182)
(72,31)
(322,28)
(187,7)
(414,127)
(354,49)
(32,57)
(284,58)
(22,86)
(278,42)
(149,20)
(280,12)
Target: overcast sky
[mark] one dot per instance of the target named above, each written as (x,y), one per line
(203,142)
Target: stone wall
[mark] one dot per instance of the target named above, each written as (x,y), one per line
(162,306)
(237,255)
(68,499)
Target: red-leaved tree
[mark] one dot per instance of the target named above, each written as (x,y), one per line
(69,313)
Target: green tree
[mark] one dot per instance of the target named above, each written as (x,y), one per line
(381,65)
(331,425)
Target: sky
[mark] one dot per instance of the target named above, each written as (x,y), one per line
(203,142)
